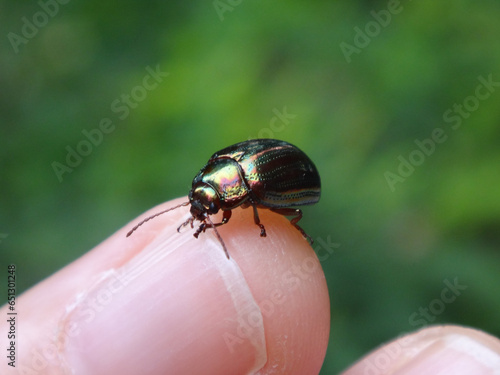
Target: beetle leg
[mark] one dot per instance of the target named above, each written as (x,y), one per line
(225,219)
(188,221)
(203,226)
(257,221)
(298,215)
(200,229)
(226,215)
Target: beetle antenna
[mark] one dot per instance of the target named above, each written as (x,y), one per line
(155,215)
(218,236)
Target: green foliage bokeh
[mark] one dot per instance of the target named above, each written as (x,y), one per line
(229,74)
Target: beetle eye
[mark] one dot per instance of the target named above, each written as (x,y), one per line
(212,208)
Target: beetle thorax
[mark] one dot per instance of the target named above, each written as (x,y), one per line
(221,182)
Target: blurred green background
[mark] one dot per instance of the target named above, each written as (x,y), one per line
(362,83)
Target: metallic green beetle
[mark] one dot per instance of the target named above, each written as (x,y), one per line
(262,173)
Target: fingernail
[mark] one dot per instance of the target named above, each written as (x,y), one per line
(169,309)
(453,353)
(444,350)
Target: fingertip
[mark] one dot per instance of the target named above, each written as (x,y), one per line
(285,279)
(289,286)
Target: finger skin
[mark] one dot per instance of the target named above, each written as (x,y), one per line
(162,302)
(434,350)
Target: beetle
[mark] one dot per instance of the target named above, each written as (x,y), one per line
(258,173)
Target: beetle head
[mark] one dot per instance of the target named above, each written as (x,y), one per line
(204,201)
